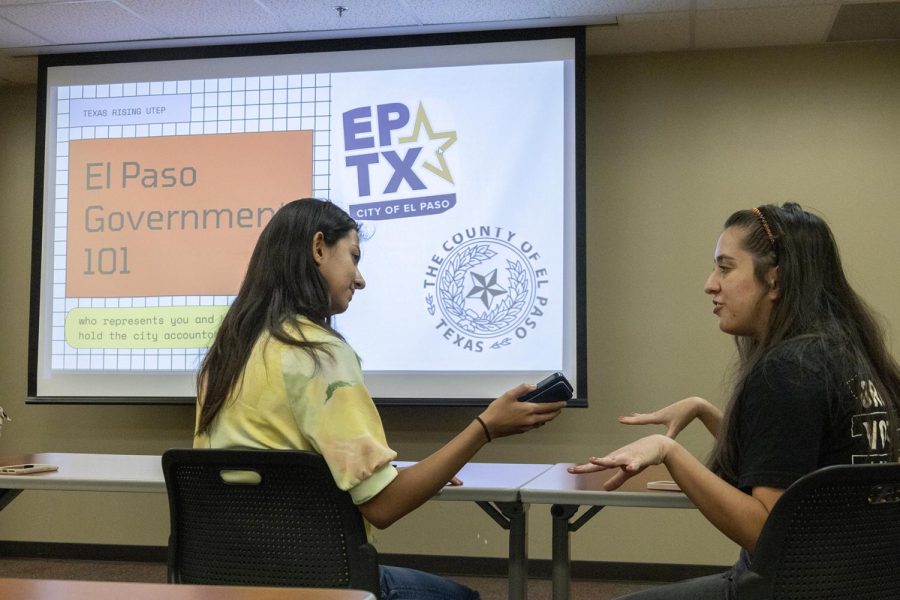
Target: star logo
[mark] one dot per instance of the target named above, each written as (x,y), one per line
(442,171)
(485,287)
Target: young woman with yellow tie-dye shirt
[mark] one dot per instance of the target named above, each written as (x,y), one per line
(278,376)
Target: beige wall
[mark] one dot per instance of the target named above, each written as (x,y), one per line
(675,142)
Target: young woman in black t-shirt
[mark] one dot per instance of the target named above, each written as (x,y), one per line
(816,385)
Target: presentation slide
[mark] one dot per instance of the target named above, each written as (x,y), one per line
(160,175)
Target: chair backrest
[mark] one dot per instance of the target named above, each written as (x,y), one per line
(263,517)
(834,533)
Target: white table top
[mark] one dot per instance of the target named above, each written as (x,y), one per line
(88,472)
(557,486)
(491,482)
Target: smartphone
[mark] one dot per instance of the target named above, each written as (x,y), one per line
(26,469)
(550,389)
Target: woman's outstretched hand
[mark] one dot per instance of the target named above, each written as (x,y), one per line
(508,416)
(629,460)
(674,417)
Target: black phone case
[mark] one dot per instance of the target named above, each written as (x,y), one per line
(552,389)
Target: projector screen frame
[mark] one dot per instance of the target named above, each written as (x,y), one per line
(312,46)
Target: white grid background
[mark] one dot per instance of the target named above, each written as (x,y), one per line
(218,106)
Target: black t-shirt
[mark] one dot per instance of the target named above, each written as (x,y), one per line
(803,407)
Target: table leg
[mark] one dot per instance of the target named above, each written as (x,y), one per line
(561,575)
(514,517)
(517,513)
(562,514)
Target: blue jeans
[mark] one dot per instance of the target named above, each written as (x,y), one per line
(723,586)
(398,583)
(711,587)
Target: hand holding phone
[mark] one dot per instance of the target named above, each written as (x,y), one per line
(550,389)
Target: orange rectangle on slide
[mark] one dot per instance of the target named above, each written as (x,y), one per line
(176,215)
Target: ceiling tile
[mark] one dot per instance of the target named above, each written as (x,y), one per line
(320,15)
(94,22)
(642,33)
(726,4)
(9,2)
(645,25)
(436,12)
(14,36)
(586,8)
(763,26)
(207,17)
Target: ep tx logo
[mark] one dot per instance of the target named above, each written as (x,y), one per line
(398,162)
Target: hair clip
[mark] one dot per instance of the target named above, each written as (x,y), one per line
(765,225)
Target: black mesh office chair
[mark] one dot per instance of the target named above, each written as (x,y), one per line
(275,518)
(835,533)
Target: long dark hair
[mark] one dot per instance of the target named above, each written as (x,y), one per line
(816,305)
(282,283)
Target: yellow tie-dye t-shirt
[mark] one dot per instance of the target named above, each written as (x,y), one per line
(283,401)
